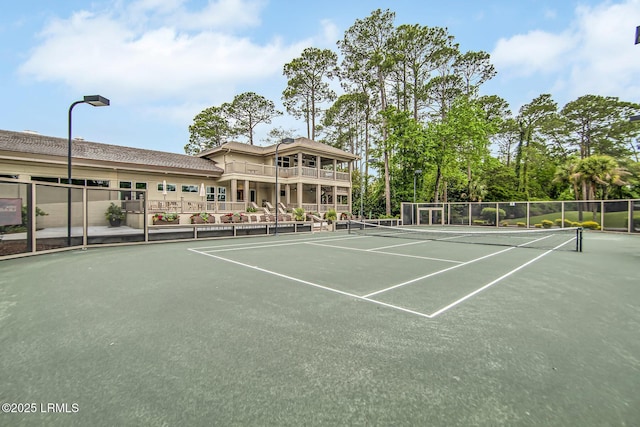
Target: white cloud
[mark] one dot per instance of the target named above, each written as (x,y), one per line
(595,55)
(150,50)
(536,51)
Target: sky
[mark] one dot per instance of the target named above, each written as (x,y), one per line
(161,62)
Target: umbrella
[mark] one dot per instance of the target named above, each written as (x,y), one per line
(203,194)
(164,188)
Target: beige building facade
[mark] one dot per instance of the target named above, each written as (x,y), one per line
(230,178)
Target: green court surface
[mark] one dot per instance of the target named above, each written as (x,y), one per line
(323,329)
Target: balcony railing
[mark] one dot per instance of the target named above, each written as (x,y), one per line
(284,172)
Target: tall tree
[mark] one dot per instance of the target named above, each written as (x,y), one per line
(248,110)
(417,49)
(367,60)
(599,125)
(306,88)
(531,119)
(210,129)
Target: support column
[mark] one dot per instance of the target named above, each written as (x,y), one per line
(234,190)
(287,191)
(247,196)
(318,196)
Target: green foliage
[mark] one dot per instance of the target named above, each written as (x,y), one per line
(166,216)
(22,227)
(547,223)
(210,128)
(591,225)
(114,213)
(489,214)
(251,209)
(299,214)
(331,215)
(306,89)
(203,215)
(521,224)
(247,110)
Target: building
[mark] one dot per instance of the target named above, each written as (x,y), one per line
(228,178)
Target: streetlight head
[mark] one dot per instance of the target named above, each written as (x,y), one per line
(287,141)
(96,100)
(418,171)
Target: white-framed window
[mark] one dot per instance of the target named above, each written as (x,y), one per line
(186,188)
(211,194)
(284,162)
(222,194)
(171,188)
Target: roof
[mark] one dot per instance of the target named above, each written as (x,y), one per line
(26,142)
(305,143)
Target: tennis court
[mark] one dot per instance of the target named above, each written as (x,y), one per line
(327,329)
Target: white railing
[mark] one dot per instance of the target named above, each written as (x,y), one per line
(284,172)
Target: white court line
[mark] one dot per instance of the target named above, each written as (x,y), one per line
(406,310)
(229,248)
(384,253)
(399,245)
(408,282)
(315,285)
(282,241)
(488,285)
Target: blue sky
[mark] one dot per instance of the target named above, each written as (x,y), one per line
(161,62)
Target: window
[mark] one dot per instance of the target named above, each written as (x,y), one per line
(284,162)
(190,189)
(171,188)
(125,195)
(222,194)
(97,183)
(45,179)
(211,194)
(124,184)
(141,185)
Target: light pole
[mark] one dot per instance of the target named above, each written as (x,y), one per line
(415,176)
(284,141)
(96,101)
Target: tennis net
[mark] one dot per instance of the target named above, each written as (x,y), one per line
(552,238)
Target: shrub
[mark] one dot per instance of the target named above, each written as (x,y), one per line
(331,215)
(298,214)
(547,223)
(591,225)
(505,223)
(114,213)
(568,223)
(489,214)
(558,222)
(537,225)
(251,209)
(479,222)
(521,224)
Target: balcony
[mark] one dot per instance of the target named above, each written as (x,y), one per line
(268,171)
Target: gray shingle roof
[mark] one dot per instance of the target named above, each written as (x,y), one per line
(24,142)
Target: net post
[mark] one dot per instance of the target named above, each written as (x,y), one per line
(349,226)
(579,239)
